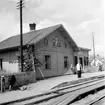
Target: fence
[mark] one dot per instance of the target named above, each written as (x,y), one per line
(22,78)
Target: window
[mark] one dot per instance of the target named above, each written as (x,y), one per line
(65,62)
(59,43)
(47,62)
(45,41)
(1,64)
(65,45)
(55,41)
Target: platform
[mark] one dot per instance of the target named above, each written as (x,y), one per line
(42,86)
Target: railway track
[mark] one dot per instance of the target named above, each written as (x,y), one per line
(97,98)
(64,95)
(72,96)
(96,101)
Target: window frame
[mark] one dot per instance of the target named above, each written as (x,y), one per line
(65,44)
(45,42)
(49,63)
(67,62)
(59,43)
(55,41)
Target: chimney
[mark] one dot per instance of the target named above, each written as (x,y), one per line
(32,26)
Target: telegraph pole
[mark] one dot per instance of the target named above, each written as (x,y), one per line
(93,47)
(20,6)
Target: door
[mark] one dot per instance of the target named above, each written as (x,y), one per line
(81,61)
(1,64)
(75,60)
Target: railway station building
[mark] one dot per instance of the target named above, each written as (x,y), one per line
(53,44)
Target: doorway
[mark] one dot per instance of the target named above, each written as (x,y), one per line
(75,60)
(81,61)
(1,64)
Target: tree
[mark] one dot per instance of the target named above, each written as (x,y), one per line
(30,62)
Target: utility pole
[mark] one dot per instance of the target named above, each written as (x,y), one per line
(20,6)
(93,47)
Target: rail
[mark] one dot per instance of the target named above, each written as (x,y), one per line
(64,95)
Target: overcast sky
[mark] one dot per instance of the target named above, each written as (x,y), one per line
(79,17)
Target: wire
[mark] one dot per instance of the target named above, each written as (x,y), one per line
(33,12)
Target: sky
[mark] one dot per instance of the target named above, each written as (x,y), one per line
(81,18)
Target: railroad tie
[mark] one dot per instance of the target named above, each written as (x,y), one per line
(55,101)
(62,99)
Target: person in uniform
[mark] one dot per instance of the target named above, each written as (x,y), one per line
(79,67)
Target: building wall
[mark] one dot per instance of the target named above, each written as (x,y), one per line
(9,61)
(57,55)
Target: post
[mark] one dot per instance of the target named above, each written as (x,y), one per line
(93,48)
(2,84)
(21,36)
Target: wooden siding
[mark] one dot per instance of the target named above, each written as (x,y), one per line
(57,55)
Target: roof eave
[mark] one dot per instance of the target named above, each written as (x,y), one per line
(84,49)
(8,49)
(76,49)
